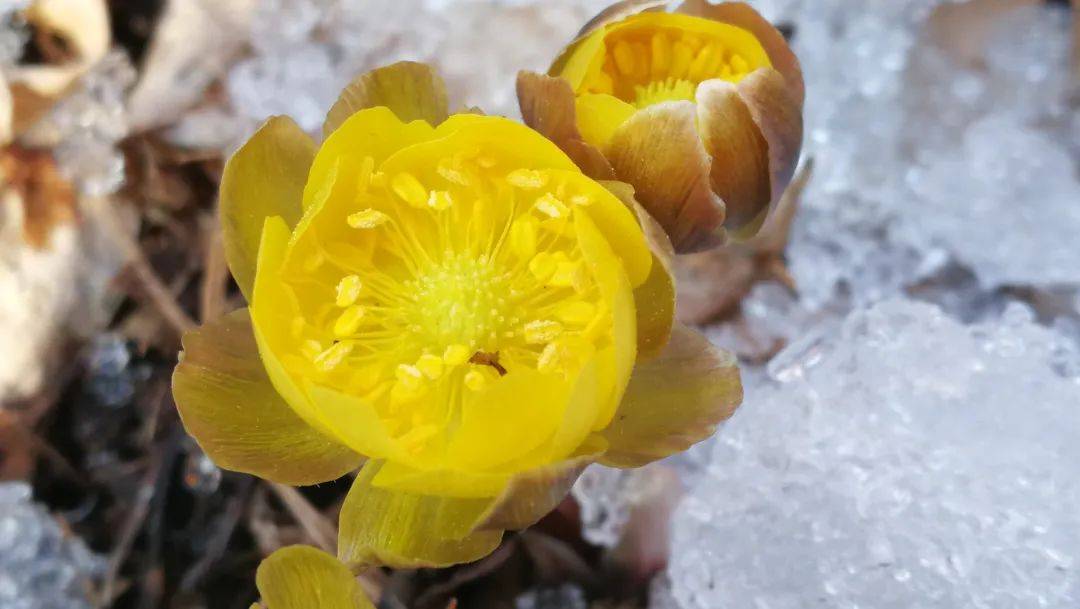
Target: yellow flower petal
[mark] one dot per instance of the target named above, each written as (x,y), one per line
(265,177)
(413,91)
(273,309)
(406,530)
(599,115)
(617,224)
(507,418)
(228,405)
(302,577)
(382,134)
(673,401)
(654,299)
(612,280)
(658,151)
(356,423)
(547,105)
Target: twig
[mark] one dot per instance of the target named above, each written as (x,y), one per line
(148,488)
(220,541)
(215,273)
(318,528)
(159,294)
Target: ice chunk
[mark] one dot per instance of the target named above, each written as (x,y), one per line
(922,160)
(566,596)
(41,566)
(911,461)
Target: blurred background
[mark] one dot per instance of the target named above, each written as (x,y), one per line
(908,323)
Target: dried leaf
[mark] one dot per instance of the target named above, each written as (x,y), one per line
(48,199)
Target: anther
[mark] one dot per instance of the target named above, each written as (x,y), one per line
(430,365)
(348,290)
(406,186)
(349,321)
(527,178)
(440,200)
(329,359)
(368,218)
(542,331)
(551,206)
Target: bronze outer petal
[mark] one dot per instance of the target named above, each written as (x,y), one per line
(413,91)
(673,401)
(658,151)
(778,114)
(547,105)
(531,495)
(380,526)
(228,405)
(742,15)
(739,154)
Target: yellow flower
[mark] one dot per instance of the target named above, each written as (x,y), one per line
(700,110)
(302,577)
(451,299)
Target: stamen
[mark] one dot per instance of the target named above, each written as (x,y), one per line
(450,170)
(523,236)
(577,312)
(329,359)
(440,200)
(661,55)
(406,186)
(348,290)
(430,365)
(542,331)
(681,57)
(551,206)
(625,59)
(368,218)
(527,178)
(409,377)
(475,380)
(543,265)
(349,321)
(456,355)
(565,274)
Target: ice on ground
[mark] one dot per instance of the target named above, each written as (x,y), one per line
(922,159)
(41,566)
(906,460)
(566,596)
(305,51)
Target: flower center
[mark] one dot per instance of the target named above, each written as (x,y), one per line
(430,284)
(459,300)
(645,64)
